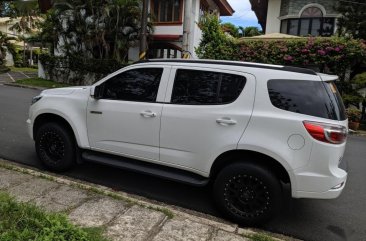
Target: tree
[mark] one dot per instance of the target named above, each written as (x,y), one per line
(5,45)
(214,43)
(252,31)
(353,21)
(100,29)
(231,29)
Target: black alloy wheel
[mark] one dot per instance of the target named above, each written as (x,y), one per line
(247,193)
(55,146)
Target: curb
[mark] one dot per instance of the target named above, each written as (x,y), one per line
(168,210)
(24,86)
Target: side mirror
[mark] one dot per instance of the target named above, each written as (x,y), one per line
(96,92)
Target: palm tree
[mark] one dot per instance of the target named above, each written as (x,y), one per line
(94,28)
(27,12)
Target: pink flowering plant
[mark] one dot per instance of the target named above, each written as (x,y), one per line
(335,54)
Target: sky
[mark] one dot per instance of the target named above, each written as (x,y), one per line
(243,15)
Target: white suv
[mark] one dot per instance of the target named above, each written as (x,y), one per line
(247,128)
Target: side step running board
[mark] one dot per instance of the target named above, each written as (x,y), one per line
(169,173)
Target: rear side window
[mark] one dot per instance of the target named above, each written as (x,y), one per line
(315,98)
(197,87)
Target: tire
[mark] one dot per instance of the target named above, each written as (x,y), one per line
(248,194)
(55,147)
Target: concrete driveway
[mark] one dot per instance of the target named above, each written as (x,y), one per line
(13,76)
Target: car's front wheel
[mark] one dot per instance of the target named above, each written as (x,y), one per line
(55,146)
(247,193)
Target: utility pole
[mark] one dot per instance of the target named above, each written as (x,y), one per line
(143,38)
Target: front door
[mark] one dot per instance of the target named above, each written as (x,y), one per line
(126,120)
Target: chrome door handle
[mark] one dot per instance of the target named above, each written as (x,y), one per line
(148,113)
(226,121)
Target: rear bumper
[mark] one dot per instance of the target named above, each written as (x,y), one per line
(324,176)
(336,184)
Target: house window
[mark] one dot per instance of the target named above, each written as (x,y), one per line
(167,11)
(312,12)
(312,22)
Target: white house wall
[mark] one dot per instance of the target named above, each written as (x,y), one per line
(273,23)
(168,30)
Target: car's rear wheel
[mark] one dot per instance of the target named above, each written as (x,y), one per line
(55,146)
(247,193)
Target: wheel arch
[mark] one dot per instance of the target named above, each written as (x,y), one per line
(51,117)
(255,157)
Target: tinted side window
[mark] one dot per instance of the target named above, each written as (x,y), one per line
(197,87)
(134,85)
(305,97)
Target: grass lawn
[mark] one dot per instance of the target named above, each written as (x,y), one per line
(23,69)
(21,221)
(39,82)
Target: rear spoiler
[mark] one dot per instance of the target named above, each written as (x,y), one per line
(327,77)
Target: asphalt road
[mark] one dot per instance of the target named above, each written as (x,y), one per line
(333,220)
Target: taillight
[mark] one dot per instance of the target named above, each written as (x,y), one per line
(335,134)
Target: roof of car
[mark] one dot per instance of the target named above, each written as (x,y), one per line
(234,63)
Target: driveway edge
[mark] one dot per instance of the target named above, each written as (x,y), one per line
(169,211)
(24,86)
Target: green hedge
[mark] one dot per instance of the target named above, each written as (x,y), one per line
(80,67)
(330,54)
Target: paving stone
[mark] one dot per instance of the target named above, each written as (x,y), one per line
(223,225)
(225,236)
(97,212)
(11,178)
(184,230)
(135,224)
(61,199)
(32,189)
(246,231)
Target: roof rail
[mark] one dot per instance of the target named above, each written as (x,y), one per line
(233,63)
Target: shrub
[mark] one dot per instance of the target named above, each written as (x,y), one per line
(77,68)
(214,44)
(360,80)
(354,115)
(4,69)
(332,54)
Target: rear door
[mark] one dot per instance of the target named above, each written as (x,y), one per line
(206,113)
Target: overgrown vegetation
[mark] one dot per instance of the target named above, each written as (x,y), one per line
(21,221)
(39,82)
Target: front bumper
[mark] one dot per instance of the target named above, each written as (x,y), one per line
(30,128)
